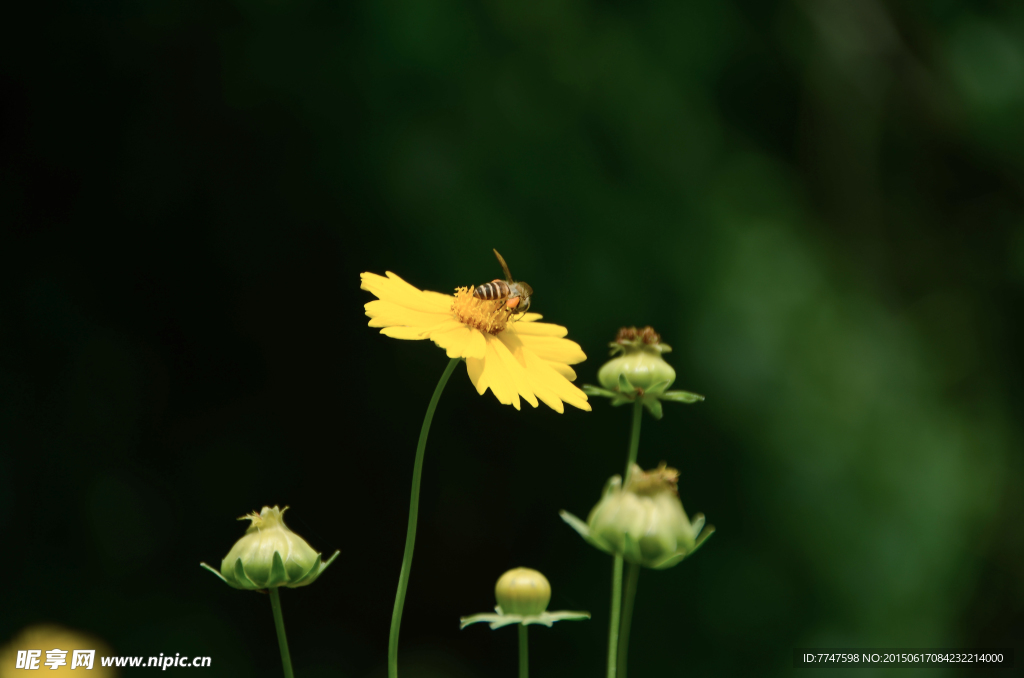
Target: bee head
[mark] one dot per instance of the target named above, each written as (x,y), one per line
(524,304)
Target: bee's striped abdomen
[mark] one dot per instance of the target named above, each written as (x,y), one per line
(496,289)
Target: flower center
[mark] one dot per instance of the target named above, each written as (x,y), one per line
(486,316)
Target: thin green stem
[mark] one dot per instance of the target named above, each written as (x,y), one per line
(282,641)
(414,509)
(613,623)
(634,570)
(634,439)
(632,577)
(524,653)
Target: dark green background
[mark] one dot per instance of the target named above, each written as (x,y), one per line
(817,203)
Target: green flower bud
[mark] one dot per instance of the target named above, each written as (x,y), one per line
(639,361)
(523,596)
(523,591)
(644,521)
(639,373)
(270,555)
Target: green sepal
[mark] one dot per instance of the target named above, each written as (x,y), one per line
(653,405)
(575,523)
(565,615)
(624,385)
(658,388)
(681,396)
(309,575)
(597,391)
(489,617)
(621,400)
(678,557)
(278,575)
(496,621)
(315,571)
(672,560)
(584,530)
(241,580)
(703,537)
(219,575)
(329,561)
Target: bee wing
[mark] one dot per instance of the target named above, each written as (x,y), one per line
(508,276)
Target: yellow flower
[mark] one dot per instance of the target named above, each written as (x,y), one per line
(513,355)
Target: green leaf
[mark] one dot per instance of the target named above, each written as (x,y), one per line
(681,397)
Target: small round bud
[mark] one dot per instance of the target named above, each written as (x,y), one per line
(522,591)
(638,360)
(270,555)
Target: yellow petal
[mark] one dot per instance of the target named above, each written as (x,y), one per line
(553,349)
(537,329)
(515,371)
(395,290)
(475,370)
(547,395)
(543,376)
(403,332)
(384,313)
(563,370)
(498,379)
(455,341)
(477,346)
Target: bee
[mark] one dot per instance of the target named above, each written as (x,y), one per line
(515,294)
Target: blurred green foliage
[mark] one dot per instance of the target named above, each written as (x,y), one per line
(818,204)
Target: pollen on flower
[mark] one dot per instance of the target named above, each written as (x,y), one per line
(486,316)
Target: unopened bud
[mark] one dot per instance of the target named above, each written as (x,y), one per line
(270,555)
(644,521)
(639,361)
(523,591)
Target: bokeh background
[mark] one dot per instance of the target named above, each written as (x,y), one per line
(819,204)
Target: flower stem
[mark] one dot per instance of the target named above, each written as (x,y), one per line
(632,577)
(634,439)
(286,657)
(524,653)
(414,508)
(613,623)
(634,569)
